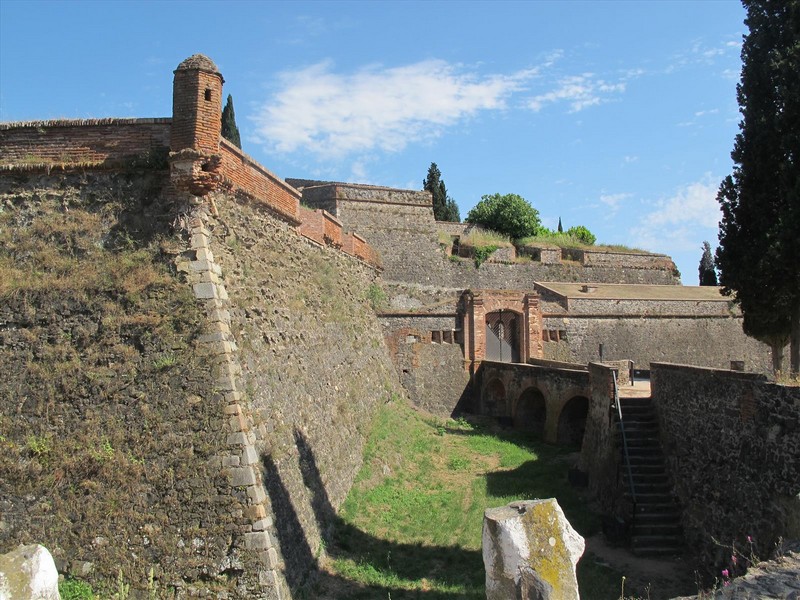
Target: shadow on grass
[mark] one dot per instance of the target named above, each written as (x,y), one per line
(392,566)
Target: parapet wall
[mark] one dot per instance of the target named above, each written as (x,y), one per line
(245,174)
(733,443)
(626,260)
(82,142)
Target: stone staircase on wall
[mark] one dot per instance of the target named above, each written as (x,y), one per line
(655,529)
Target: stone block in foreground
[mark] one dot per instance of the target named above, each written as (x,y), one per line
(530,551)
(28,573)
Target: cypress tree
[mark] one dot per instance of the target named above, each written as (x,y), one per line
(706,271)
(759,237)
(229,129)
(444,207)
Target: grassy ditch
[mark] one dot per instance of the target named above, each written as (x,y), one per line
(411,526)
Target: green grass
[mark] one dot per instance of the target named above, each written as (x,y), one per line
(562,240)
(485,237)
(412,522)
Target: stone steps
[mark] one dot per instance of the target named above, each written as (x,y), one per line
(656,528)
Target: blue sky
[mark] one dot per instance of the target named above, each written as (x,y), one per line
(619,116)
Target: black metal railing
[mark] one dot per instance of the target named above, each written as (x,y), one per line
(625,453)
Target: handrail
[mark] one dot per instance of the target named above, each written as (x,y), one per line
(624,442)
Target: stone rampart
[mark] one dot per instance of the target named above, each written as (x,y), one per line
(403,235)
(399,224)
(427,353)
(733,444)
(274,383)
(651,307)
(521,275)
(95,142)
(313,370)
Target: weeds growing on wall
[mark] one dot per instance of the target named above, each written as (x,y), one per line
(412,523)
(376,296)
(482,254)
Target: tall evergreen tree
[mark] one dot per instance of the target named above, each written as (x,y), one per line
(759,250)
(444,207)
(560,227)
(229,129)
(706,270)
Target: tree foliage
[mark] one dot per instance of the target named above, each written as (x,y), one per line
(229,129)
(509,214)
(444,207)
(706,270)
(759,249)
(581,233)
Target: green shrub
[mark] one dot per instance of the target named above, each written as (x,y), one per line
(72,589)
(508,214)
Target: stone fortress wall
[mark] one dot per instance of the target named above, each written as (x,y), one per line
(399,224)
(733,447)
(288,367)
(282,286)
(638,314)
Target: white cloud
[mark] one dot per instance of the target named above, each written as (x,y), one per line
(579,91)
(702,113)
(682,221)
(701,53)
(375,108)
(613,200)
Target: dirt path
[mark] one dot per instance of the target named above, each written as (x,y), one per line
(664,577)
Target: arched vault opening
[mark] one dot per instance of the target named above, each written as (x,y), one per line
(494,399)
(572,422)
(530,412)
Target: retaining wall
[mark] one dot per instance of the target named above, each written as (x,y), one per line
(733,443)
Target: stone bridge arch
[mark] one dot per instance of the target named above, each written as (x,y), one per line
(551,402)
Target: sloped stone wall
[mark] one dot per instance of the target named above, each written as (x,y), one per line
(314,369)
(110,428)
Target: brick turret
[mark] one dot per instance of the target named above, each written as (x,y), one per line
(196,125)
(196,105)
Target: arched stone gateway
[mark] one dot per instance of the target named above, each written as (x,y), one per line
(494,399)
(572,421)
(530,413)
